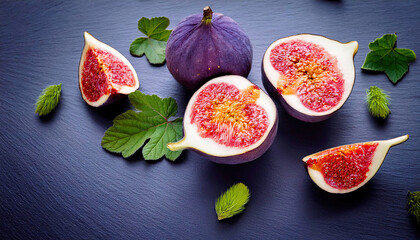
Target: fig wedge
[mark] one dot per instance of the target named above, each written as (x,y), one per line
(105,75)
(346,168)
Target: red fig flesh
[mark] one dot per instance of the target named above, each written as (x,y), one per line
(346,168)
(104,73)
(312,76)
(229,120)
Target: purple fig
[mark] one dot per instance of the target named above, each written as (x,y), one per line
(204,46)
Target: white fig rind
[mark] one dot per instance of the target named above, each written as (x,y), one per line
(377,160)
(344,52)
(218,152)
(91,42)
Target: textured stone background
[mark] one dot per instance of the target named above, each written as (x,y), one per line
(56,182)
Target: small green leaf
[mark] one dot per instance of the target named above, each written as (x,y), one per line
(232,201)
(48,100)
(131,129)
(153,26)
(384,57)
(138,47)
(413,204)
(378,102)
(154,44)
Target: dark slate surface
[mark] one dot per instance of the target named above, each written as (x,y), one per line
(56,182)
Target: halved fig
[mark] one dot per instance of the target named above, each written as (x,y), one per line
(104,74)
(346,168)
(229,120)
(312,76)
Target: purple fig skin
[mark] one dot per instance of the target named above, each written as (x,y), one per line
(197,51)
(274,94)
(247,156)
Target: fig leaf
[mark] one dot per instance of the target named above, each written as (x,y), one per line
(132,128)
(384,57)
(48,100)
(154,44)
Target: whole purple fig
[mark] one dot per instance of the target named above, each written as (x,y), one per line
(204,46)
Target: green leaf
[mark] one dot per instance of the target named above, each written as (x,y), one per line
(131,129)
(48,100)
(384,57)
(153,26)
(378,102)
(154,44)
(232,201)
(413,204)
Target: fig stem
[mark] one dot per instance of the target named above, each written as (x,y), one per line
(207,15)
(176,146)
(397,140)
(353,46)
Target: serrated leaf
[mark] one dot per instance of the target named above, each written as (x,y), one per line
(232,201)
(413,204)
(131,129)
(128,134)
(161,36)
(177,131)
(48,100)
(154,105)
(164,134)
(137,47)
(154,45)
(153,25)
(384,57)
(155,50)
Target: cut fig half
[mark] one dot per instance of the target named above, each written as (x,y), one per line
(104,74)
(229,120)
(310,75)
(346,168)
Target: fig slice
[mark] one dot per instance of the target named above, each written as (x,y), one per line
(310,75)
(346,168)
(229,120)
(104,74)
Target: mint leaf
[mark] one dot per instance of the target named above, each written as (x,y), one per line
(154,44)
(384,57)
(131,129)
(232,201)
(378,102)
(413,204)
(48,100)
